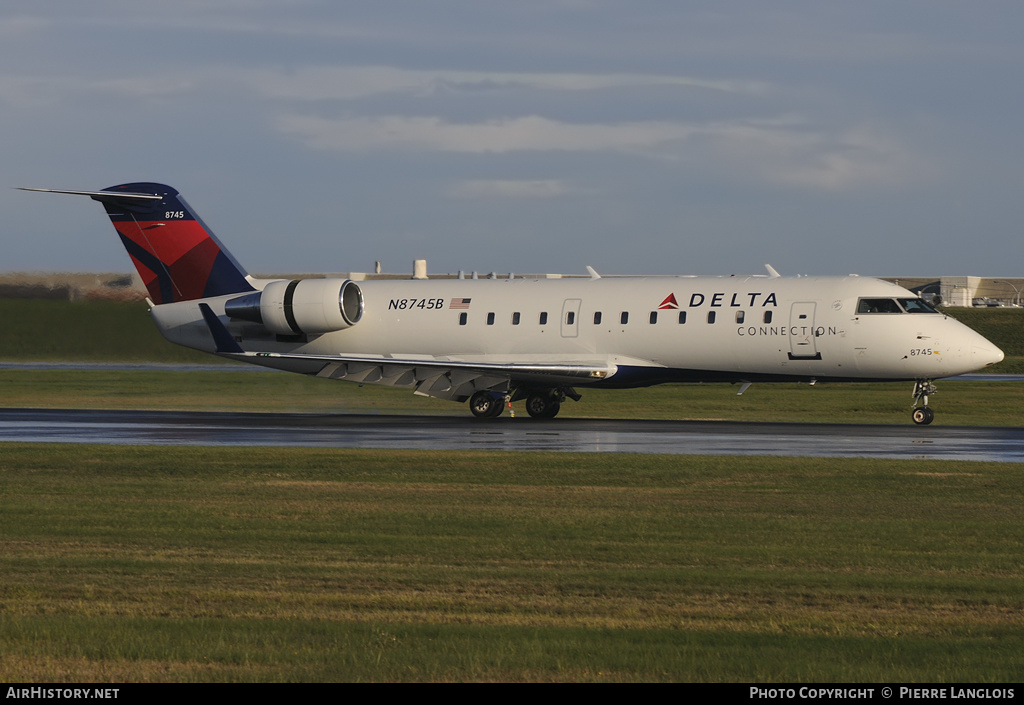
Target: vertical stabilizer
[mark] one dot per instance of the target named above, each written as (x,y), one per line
(177,256)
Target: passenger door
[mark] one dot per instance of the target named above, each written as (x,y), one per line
(802,345)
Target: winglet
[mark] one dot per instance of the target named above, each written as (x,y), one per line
(226,343)
(593,272)
(772,274)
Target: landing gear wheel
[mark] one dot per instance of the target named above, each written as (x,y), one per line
(923,388)
(485,405)
(542,406)
(923,416)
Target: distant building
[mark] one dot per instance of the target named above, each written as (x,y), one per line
(966,291)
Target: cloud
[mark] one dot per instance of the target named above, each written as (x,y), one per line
(508,188)
(20,26)
(796,155)
(35,91)
(786,152)
(348,82)
(495,136)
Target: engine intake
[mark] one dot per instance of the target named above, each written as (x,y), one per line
(301,306)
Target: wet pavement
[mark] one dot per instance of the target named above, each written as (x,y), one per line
(1002,444)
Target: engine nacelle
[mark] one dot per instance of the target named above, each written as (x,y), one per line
(310,306)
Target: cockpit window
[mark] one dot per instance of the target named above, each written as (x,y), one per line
(878,306)
(916,306)
(894,306)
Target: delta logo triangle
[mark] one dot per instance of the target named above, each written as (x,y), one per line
(669,302)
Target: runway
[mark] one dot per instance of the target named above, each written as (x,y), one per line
(1001,444)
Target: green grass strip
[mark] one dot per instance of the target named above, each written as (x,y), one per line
(206,564)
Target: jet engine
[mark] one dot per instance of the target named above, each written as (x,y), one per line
(301,306)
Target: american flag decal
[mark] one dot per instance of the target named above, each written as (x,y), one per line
(459,303)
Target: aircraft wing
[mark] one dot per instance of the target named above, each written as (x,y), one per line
(441,378)
(444,378)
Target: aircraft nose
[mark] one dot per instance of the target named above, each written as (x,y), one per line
(986,355)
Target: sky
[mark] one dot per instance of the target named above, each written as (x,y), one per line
(643,137)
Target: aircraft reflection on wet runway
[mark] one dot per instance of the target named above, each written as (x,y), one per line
(1002,444)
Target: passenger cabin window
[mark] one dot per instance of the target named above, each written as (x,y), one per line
(463,317)
(654,317)
(490,319)
(767,316)
(682,317)
(711,316)
(740,315)
(597,318)
(624,318)
(515,318)
(570,318)
(544,318)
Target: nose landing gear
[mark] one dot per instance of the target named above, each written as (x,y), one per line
(922,415)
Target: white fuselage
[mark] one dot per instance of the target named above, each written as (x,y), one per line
(651,329)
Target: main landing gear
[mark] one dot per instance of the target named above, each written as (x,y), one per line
(540,403)
(544,405)
(487,405)
(922,415)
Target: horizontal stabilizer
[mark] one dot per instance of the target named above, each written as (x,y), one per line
(98,195)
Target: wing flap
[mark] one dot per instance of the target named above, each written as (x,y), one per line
(449,382)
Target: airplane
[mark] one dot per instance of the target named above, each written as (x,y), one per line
(492,342)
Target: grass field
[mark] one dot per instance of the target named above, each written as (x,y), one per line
(179,564)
